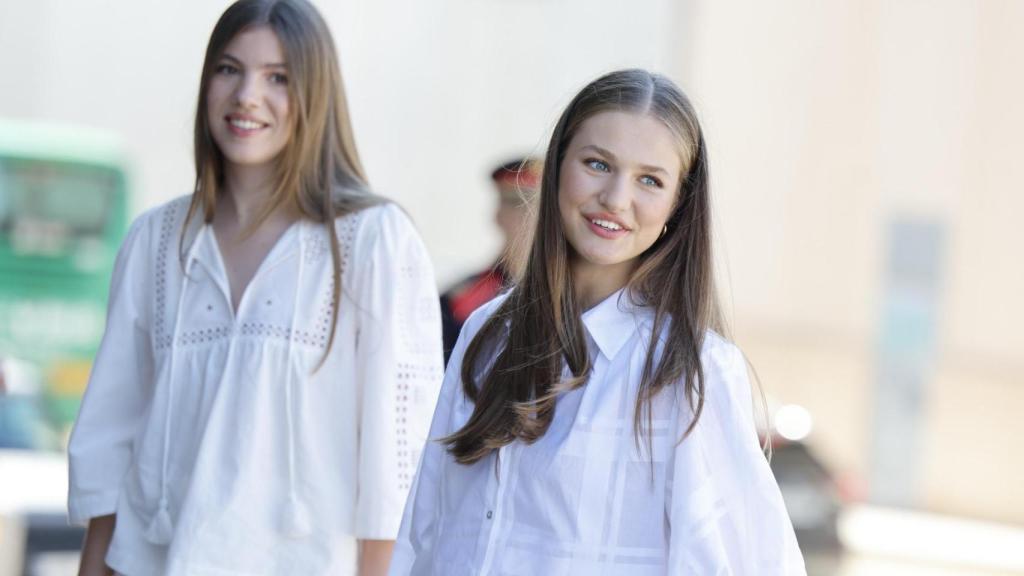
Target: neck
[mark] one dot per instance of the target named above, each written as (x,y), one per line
(246,192)
(593,282)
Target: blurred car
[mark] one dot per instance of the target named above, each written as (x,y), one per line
(35,539)
(813,496)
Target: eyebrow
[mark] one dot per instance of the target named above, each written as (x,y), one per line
(227,56)
(608,154)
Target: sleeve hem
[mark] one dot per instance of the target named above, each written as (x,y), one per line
(378,529)
(82,508)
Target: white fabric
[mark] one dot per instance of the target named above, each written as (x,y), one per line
(358,423)
(582,500)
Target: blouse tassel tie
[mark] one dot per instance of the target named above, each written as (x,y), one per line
(296,521)
(161,527)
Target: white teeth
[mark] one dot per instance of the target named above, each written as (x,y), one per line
(607,225)
(245,124)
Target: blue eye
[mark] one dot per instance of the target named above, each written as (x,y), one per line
(279,78)
(650,181)
(599,165)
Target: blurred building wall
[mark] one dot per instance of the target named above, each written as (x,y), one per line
(829,121)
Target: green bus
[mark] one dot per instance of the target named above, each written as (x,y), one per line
(63,212)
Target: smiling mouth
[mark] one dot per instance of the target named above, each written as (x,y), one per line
(607,225)
(244,125)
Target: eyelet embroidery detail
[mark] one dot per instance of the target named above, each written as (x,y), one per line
(411,378)
(316,249)
(420,312)
(204,336)
(169,224)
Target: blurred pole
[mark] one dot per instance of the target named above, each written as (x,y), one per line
(910,310)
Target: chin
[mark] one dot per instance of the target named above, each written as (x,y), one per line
(604,259)
(254,159)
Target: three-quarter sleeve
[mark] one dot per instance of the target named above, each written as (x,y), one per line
(418,532)
(119,389)
(419,522)
(400,367)
(726,512)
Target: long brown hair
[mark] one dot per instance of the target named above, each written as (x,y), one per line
(318,172)
(538,330)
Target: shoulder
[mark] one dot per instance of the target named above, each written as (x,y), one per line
(727,383)
(716,351)
(153,217)
(385,223)
(719,352)
(724,363)
(379,218)
(156,227)
(381,245)
(169,213)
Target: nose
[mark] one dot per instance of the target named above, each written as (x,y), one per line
(616,194)
(247,91)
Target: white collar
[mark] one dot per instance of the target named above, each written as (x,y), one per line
(614,320)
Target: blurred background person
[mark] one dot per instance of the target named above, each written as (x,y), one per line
(516,183)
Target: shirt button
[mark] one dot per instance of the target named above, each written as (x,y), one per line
(489,514)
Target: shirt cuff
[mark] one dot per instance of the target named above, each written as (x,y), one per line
(83,507)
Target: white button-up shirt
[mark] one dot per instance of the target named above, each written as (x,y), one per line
(584,499)
(216,421)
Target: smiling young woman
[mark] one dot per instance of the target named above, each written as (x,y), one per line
(247,100)
(617,189)
(593,420)
(272,352)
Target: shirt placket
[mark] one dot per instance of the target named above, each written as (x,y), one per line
(495,521)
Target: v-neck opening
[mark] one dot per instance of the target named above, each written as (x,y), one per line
(269,260)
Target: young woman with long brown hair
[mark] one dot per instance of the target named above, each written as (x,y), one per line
(593,420)
(272,350)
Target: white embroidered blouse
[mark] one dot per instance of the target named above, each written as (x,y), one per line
(212,434)
(584,499)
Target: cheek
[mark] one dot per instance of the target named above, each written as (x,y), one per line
(281,104)
(571,193)
(213,112)
(218,91)
(217,104)
(211,102)
(655,212)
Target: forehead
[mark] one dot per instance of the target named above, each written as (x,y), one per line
(633,137)
(256,45)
